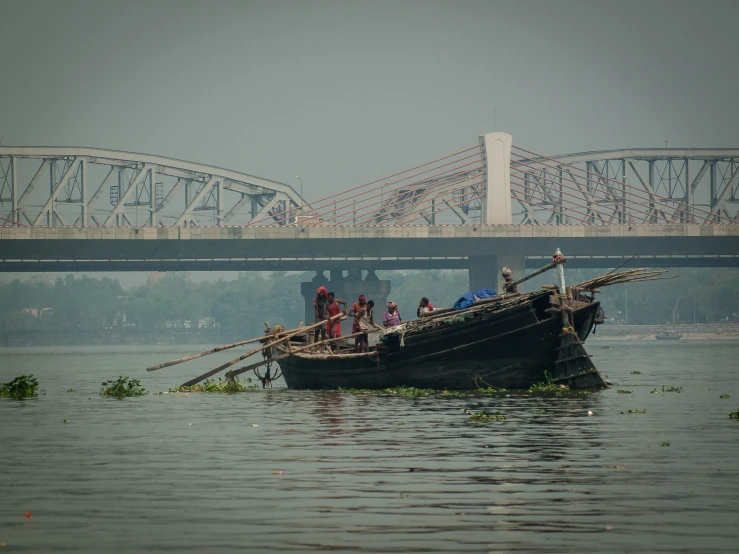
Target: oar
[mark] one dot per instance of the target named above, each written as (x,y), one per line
(252,352)
(280,357)
(207,352)
(228,346)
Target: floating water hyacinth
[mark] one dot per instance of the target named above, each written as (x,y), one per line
(122,387)
(25,386)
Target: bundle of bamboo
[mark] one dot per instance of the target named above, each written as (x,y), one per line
(630,276)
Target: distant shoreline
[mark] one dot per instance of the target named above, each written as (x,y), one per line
(648,332)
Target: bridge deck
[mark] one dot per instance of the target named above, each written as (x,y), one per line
(295,248)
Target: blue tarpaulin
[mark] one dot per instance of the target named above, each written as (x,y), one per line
(468,298)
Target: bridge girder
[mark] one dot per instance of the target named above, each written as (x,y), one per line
(68,186)
(662,185)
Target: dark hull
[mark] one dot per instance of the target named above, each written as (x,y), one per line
(509,350)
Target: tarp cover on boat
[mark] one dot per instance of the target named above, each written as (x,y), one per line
(468,298)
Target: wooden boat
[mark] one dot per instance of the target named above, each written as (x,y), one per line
(506,342)
(668,335)
(509,341)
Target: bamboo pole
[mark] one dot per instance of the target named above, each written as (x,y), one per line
(255,365)
(281,334)
(268,345)
(208,352)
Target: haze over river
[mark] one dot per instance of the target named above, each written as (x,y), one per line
(196,472)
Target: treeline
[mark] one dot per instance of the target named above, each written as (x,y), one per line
(89,303)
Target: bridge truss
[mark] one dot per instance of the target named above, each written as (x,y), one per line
(648,185)
(92,187)
(57,186)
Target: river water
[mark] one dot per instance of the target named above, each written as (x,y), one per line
(196,472)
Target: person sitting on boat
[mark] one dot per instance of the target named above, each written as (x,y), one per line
(391,317)
(424,306)
(320,305)
(366,321)
(333,308)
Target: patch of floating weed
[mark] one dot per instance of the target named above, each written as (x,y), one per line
(635,412)
(636,372)
(655,391)
(548,386)
(221,385)
(624,391)
(408,391)
(490,390)
(540,412)
(25,386)
(482,415)
(122,387)
(450,393)
(400,391)
(724,396)
(604,347)
(671,389)
(71,390)
(734,415)
(664,444)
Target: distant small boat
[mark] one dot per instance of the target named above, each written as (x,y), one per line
(668,335)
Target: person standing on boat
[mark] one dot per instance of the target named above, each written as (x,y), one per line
(320,305)
(366,321)
(391,317)
(356,307)
(424,306)
(333,308)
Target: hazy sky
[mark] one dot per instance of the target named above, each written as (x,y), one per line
(343,92)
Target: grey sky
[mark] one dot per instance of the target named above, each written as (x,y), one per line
(343,92)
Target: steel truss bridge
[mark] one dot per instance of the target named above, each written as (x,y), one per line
(91,187)
(88,187)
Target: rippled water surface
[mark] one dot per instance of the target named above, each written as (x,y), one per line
(195,472)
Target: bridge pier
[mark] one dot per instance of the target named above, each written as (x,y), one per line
(485,271)
(348,288)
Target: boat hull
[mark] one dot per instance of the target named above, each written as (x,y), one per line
(511,351)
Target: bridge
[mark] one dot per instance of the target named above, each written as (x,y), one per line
(480,208)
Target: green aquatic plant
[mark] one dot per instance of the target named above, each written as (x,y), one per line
(624,391)
(25,386)
(227,385)
(671,389)
(655,391)
(548,386)
(734,415)
(636,412)
(664,444)
(724,396)
(490,390)
(408,391)
(122,387)
(540,412)
(482,415)
(636,372)
(399,391)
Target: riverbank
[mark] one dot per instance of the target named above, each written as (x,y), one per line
(648,332)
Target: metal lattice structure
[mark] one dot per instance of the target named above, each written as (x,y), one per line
(58,186)
(647,185)
(92,187)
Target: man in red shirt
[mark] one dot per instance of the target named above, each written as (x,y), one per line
(424,306)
